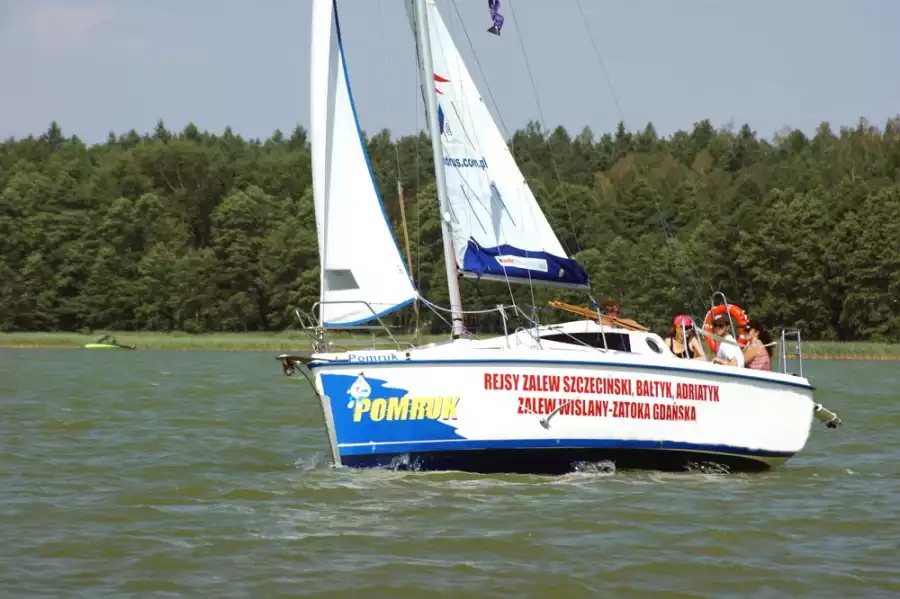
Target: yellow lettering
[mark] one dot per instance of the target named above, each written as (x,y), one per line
(417,412)
(434,407)
(406,408)
(398,408)
(362,405)
(449,408)
(379,407)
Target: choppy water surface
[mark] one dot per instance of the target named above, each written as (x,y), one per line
(205,474)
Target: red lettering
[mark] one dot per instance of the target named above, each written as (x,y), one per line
(545,405)
(674,412)
(501,382)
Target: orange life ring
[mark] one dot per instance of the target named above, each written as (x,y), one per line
(737,315)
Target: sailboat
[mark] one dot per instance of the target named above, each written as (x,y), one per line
(540,399)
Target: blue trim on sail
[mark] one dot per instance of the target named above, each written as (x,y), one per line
(483,261)
(387,222)
(368,318)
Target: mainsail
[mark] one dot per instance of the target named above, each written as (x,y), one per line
(499,230)
(363,274)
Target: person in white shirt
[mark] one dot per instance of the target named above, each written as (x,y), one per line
(729,354)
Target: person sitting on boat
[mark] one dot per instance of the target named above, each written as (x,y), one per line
(758,351)
(609,311)
(729,352)
(683,328)
(610,308)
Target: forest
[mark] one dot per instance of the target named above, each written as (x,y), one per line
(199,232)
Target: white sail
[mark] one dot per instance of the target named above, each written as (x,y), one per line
(360,261)
(499,230)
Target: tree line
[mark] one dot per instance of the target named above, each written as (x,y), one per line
(199,232)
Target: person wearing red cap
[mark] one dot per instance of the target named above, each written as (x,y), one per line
(683,328)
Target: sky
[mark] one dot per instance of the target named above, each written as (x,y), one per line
(97,66)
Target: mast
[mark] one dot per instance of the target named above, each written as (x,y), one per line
(320,101)
(424,46)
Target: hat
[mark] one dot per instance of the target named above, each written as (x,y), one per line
(683,321)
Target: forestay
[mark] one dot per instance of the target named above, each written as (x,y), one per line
(359,257)
(499,230)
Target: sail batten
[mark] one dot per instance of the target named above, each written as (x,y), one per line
(363,275)
(499,229)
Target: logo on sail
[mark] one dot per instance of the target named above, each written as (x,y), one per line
(440,79)
(537,264)
(442,120)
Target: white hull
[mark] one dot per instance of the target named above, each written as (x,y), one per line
(507,405)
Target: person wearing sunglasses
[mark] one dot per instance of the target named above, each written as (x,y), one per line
(729,353)
(758,351)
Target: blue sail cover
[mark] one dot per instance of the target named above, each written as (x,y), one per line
(505,261)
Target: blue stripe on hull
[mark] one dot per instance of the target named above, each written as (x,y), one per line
(551,456)
(557,461)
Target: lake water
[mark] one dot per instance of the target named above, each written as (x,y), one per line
(205,474)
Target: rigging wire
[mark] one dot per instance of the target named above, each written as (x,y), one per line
(667,231)
(386,74)
(537,102)
(484,78)
(475,132)
(418,138)
(609,84)
(396,145)
(542,120)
